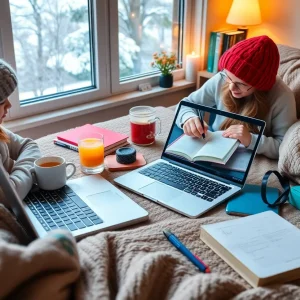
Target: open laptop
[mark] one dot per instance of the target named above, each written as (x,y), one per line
(85,206)
(193,188)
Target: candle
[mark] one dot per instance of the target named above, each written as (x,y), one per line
(191,67)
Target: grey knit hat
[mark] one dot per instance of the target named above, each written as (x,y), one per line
(8,80)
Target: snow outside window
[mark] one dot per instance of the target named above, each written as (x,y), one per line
(68,52)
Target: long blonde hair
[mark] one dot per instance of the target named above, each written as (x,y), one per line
(3,136)
(256,106)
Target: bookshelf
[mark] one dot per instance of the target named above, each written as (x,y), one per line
(202,77)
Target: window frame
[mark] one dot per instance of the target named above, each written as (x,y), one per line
(102,72)
(105,35)
(131,85)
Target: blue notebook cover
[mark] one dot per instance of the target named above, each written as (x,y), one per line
(249,201)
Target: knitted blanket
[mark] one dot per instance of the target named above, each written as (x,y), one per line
(139,263)
(289,70)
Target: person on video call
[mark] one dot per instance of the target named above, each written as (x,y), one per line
(17,154)
(247,85)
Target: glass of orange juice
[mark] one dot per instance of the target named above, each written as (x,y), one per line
(91,153)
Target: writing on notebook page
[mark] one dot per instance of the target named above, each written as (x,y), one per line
(263,248)
(214,148)
(261,243)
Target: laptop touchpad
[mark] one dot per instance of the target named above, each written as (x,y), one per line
(160,192)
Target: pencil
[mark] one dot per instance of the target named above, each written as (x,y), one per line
(202,123)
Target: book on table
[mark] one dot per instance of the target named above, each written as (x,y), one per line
(112,140)
(107,151)
(214,148)
(263,248)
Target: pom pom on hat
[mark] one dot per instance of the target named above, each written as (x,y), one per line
(8,80)
(255,61)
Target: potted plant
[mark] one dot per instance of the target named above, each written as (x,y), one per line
(166,64)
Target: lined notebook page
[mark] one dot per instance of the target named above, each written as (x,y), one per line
(266,243)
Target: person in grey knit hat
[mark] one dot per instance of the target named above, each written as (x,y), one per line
(17,154)
(8,81)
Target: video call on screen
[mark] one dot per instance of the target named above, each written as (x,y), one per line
(227,159)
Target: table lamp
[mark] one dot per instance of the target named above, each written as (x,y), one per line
(244,13)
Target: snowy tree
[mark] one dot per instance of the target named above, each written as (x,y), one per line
(52,40)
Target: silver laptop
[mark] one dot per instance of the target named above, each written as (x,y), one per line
(192,187)
(85,206)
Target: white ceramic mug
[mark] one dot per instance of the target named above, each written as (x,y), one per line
(50,172)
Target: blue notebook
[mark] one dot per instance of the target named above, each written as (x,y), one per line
(249,201)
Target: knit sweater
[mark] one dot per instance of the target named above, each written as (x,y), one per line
(18,156)
(281,116)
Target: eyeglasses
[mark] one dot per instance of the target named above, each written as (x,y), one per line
(239,85)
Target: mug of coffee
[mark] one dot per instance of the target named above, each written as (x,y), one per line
(50,172)
(143,125)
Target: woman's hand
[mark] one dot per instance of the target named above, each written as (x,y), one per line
(239,132)
(193,127)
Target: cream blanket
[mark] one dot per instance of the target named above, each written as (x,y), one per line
(45,269)
(139,263)
(289,70)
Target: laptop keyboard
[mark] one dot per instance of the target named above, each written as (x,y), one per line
(185,181)
(61,209)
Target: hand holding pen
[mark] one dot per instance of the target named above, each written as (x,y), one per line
(186,252)
(194,127)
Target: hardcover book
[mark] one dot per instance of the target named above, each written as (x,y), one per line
(111,138)
(263,248)
(231,38)
(214,148)
(211,51)
(107,151)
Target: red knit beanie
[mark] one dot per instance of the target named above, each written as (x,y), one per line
(255,61)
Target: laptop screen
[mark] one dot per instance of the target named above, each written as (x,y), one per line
(216,155)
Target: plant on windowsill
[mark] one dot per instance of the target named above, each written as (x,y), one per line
(166,64)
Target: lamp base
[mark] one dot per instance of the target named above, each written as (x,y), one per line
(245,29)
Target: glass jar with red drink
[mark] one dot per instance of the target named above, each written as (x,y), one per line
(144,125)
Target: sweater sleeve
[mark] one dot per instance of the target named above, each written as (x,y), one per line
(207,95)
(283,115)
(23,152)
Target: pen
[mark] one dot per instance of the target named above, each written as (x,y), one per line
(62,144)
(201,121)
(186,252)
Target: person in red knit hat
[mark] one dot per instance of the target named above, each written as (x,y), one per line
(247,85)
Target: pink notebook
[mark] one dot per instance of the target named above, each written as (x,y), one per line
(111,138)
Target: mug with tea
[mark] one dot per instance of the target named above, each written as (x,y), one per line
(50,172)
(144,125)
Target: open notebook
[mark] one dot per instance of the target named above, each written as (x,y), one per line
(214,148)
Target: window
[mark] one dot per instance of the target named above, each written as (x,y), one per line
(70,52)
(146,27)
(52,43)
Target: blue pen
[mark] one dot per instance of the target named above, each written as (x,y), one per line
(186,252)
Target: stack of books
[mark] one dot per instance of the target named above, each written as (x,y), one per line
(112,140)
(220,41)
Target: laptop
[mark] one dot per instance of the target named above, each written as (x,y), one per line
(194,187)
(84,206)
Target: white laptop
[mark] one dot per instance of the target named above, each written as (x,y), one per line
(194,187)
(90,206)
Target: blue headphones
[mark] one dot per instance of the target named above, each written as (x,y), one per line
(291,194)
